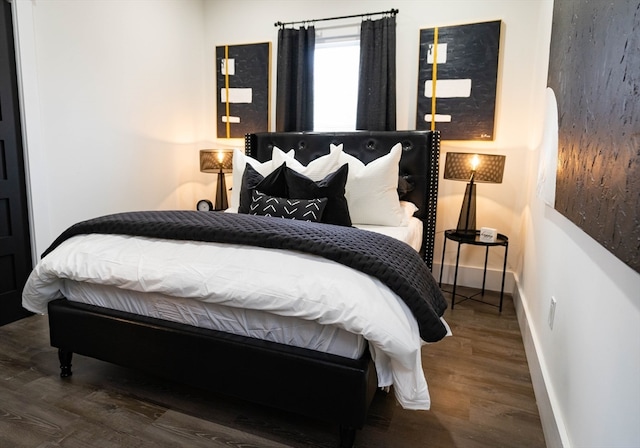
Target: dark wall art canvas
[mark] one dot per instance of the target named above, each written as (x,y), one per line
(457,80)
(594,70)
(243,89)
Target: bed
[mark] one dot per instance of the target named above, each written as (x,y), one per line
(330,376)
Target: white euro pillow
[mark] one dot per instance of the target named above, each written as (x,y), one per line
(372,189)
(317,169)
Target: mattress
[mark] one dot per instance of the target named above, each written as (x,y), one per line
(244,322)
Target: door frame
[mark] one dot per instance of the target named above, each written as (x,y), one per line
(35,158)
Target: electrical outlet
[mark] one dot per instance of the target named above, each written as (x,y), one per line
(552,311)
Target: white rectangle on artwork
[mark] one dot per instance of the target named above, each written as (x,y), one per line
(237,95)
(442,54)
(449,88)
(439,118)
(231,66)
(231,119)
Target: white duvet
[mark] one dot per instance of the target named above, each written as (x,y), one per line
(282,282)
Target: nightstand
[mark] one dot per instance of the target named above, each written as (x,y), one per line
(501,240)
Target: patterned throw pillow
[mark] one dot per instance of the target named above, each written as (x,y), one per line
(302,209)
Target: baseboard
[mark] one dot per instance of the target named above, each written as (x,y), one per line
(472,277)
(554,434)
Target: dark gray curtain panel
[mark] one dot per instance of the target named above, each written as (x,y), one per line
(377,81)
(294,95)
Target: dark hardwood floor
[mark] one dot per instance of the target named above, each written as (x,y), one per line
(479,381)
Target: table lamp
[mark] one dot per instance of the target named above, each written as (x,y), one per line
(472,168)
(218,161)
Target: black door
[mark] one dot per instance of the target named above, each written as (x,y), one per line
(15,248)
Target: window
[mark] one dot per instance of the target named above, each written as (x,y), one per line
(335,74)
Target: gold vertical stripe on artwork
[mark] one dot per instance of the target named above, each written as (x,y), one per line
(226,88)
(434,78)
(269,89)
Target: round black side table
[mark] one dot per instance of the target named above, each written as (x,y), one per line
(501,240)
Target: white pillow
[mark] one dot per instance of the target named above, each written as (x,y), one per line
(240,159)
(317,169)
(372,189)
(408,209)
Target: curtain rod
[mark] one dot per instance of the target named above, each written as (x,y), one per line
(392,12)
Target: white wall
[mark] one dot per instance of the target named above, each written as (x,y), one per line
(119,96)
(112,96)
(499,205)
(589,363)
(585,370)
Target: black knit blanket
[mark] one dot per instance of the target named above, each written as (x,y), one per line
(395,263)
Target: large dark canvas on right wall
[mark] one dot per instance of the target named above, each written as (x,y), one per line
(594,70)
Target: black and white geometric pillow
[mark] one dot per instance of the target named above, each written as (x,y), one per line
(301,209)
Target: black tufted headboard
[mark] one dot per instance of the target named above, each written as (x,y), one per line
(418,164)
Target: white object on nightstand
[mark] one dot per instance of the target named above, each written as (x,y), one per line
(488,235)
